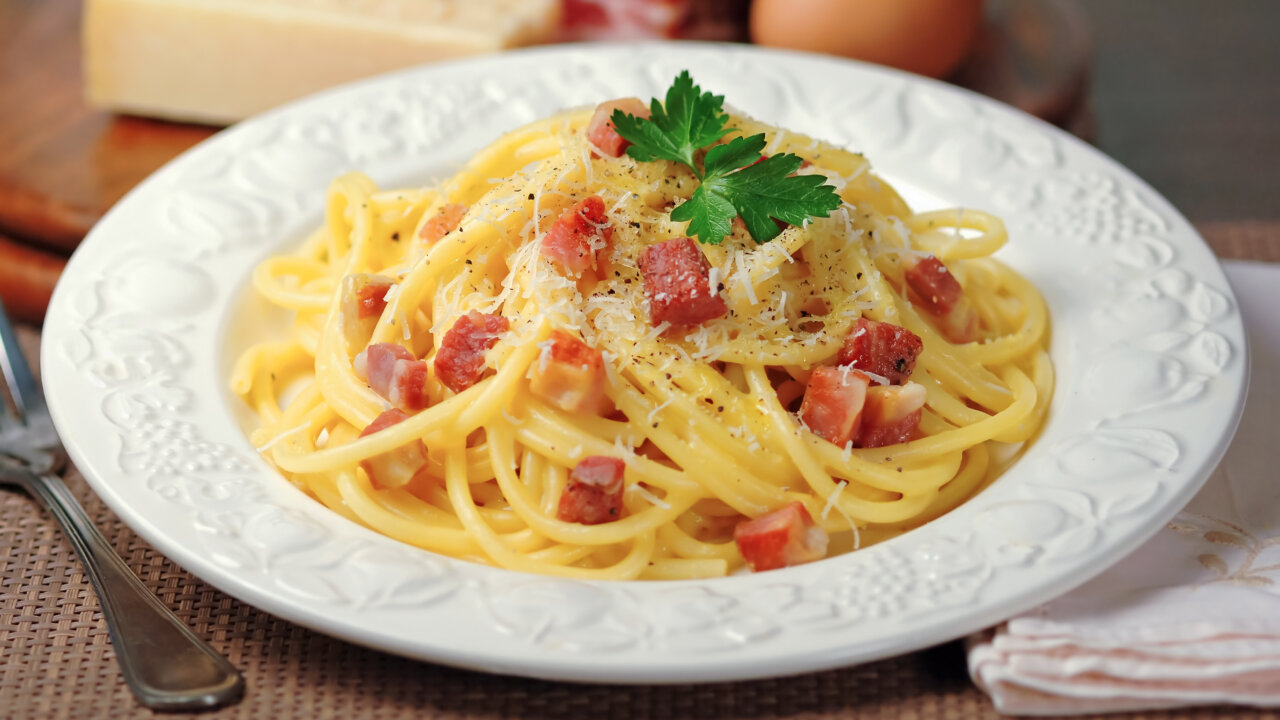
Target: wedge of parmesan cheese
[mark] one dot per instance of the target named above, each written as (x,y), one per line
(218,61)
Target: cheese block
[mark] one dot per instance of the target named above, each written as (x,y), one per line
(218,61)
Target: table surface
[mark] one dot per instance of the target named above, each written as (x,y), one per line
(1183,92)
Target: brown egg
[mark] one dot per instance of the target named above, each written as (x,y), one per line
(930,37)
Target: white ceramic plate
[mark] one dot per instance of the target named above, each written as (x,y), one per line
(1147,342)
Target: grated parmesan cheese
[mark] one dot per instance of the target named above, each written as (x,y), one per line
(833,497)
(644,493)
(901,228)
(656,331)
(845,370)
(657,409)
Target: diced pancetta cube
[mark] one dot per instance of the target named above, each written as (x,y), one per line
(396,467)
(832,404)
(937,291)
(891,415)
(937,288)
(785,537)
(459,362)
(364,297)
(881,348)
(395,374)
(445,221)
(593,494)
(677,284)
(569,374)
(600,130)
(579,235)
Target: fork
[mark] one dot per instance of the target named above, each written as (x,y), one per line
(164,663)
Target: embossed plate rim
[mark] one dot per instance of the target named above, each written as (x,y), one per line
(137,328)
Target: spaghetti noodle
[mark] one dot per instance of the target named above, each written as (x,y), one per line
(710,423)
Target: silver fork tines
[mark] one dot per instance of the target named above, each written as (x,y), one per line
(30,435)
(165,664)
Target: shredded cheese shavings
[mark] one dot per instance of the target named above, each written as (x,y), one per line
(657,409)
(833,497)
(644,493)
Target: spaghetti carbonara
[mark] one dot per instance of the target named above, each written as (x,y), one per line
(531,365)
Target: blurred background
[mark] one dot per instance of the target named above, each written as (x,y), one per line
(97,94)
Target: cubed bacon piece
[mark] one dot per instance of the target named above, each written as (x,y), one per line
(832,404)
(600,130)
(460,360)
(935,289)
(785,537)
(396,467)
(569,374)
(881,348)
(593,494)
(395,374)
(445,221)
(891,415)
(579,235)
(677,284)
(363,300)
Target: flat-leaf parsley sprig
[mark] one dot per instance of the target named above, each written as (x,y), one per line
(735,179)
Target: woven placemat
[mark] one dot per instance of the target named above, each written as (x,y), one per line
(56,659)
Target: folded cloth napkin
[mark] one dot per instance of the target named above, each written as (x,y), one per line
(1192,617)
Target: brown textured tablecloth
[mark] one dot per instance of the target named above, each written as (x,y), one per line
(56,659)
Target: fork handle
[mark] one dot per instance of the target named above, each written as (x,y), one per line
(165,664)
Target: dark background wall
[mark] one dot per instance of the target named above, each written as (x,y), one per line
(1186,93)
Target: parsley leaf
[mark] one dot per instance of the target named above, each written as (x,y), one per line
(767,191)
(758,194)
(688,121)
(709,214)
(737,153)
(736,181)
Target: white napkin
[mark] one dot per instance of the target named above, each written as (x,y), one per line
(1192,617)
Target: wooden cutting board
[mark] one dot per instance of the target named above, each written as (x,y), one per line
(64,164)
